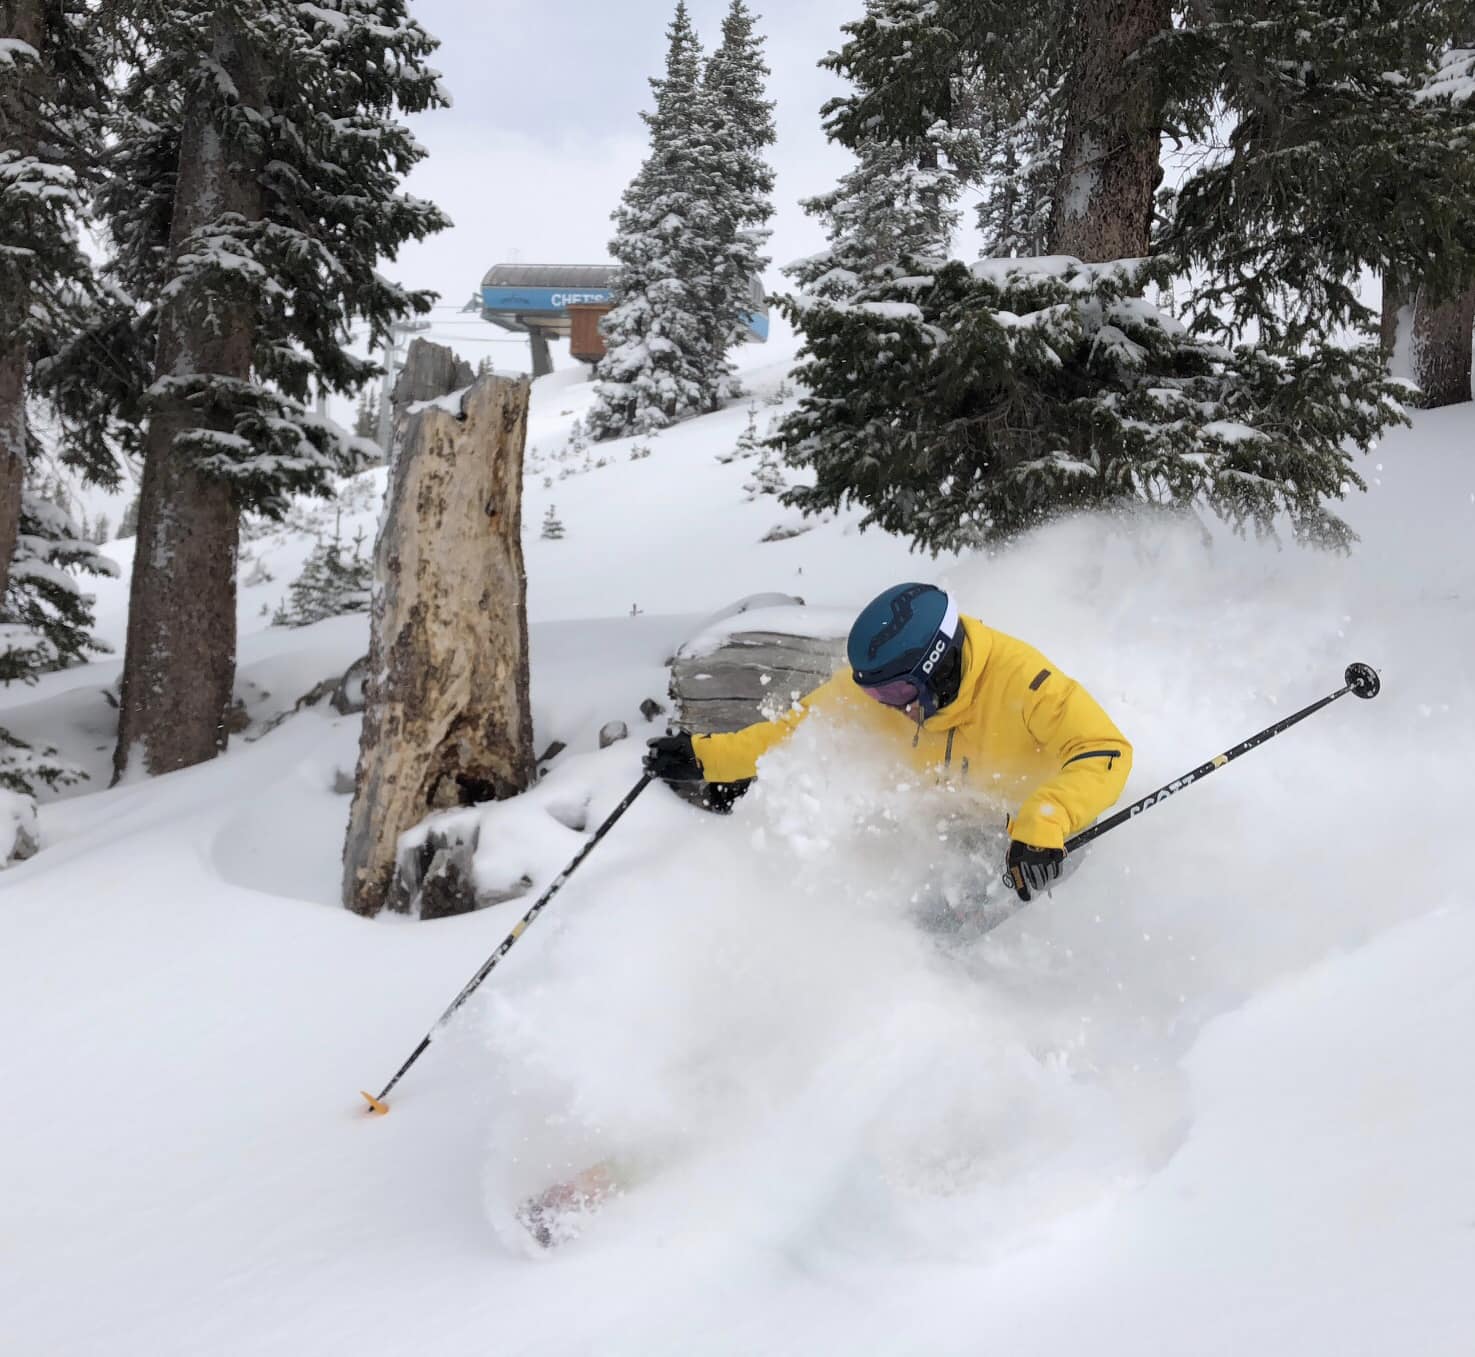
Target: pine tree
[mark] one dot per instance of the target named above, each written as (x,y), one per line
(553,528)
(959,405)
(128,527)
(279,123)
(102,530)
(664,359)
(897,203)
(50,90)
(333,582)
(734,79)
(366,414)
(45,618)
(1432,334)
(1339,164)
(768,474)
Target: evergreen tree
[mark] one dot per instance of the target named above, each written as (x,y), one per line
(333,582)
(960,405)
(366,415)
(735,79)
(664,359)
(899,200)
(768,474)
(553,528)
(51,70)
(1338,163)
(887,209)
(45,618)
(129,525)
(26,769)
(102,530)
(1429,336)
(269,130)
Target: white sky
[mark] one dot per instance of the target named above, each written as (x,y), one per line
(545,130)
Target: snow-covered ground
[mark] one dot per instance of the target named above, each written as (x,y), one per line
(1213,1097)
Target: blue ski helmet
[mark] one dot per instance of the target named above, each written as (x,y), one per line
(902,640)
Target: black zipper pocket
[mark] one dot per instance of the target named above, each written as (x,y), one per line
(1112,754)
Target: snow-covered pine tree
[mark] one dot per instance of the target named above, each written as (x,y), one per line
(553,528)
(289,161)
(334,580)
(663,362)
(50,92)
(1429,336)
(735,78)
(366,415)
(899,201)
(1337,162)
(958,405)
(768,473)
(45,617)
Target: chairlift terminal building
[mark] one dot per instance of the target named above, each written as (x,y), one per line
(567,301)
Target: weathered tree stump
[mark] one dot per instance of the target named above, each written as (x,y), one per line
(447,720)
(430,372)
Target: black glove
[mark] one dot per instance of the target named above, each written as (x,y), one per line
(672,759)
(1031,867)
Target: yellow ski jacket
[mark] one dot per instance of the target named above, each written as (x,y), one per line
(1018,727)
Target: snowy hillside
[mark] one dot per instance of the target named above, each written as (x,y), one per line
(1214,1097)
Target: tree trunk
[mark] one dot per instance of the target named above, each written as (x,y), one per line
(12,452)
(447,720)
(1441,348)
(25,21)
(1110,157)
(179,666)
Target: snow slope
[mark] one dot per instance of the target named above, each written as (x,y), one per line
(1213,1097)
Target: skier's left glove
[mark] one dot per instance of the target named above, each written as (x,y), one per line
(1032,868)
(672,759)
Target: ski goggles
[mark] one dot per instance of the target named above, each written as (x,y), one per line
(897,693)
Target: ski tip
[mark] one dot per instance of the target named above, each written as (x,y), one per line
(376,1108)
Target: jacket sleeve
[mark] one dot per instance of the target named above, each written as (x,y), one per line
(733,757)
(1094,760)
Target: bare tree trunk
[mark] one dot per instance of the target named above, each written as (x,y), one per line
(1443,333)
(179,666)
(1110,158)
(12,452)
(447,720)
(23,20)
(1393,320)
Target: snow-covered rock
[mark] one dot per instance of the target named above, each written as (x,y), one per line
(20,835)
(754,659)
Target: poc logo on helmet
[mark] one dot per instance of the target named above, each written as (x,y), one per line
(930,663)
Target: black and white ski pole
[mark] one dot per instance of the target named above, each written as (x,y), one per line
(378,1105)
(1361,680)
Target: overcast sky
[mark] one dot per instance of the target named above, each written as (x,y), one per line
(545,131)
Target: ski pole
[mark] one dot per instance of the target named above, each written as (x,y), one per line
(378,1105)
(1361,680)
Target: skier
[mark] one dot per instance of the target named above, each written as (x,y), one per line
(958,697)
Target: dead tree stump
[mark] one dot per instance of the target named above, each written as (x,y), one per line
(447,720)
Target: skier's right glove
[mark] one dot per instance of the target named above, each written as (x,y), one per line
(1031,868)
(672,759)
